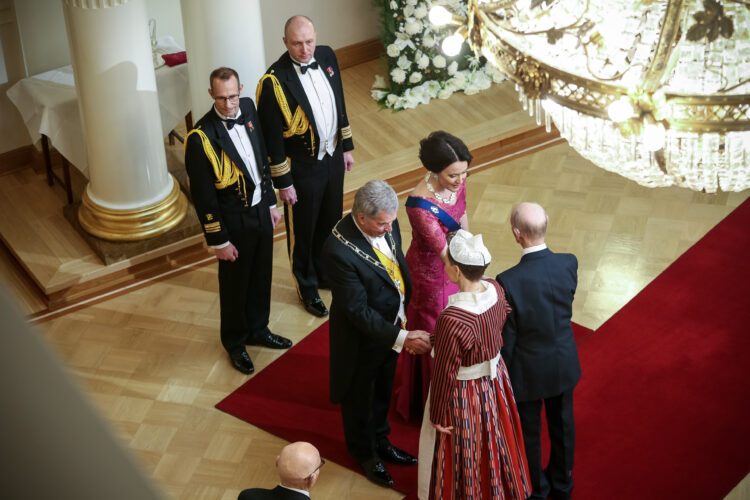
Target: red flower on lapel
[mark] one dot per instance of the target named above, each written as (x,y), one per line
(330,71)
(249,125)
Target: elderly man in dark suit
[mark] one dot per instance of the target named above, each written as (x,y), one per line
(299,469)
(230,184)
(540,351)
(371,285)
(309,141)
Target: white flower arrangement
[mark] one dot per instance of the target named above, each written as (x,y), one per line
(403,63)
(418,70)
(398,75)
(412,27)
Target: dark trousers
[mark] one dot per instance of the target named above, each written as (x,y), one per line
(245,284)
(557,478)
(320,199)
(364,410)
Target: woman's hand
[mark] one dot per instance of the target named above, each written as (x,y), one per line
(444,430)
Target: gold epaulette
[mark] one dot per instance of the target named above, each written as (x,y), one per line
(297,123)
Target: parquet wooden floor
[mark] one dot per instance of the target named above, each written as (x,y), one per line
(152,362)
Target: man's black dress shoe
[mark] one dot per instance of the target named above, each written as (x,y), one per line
(271,340)
(316,307)
(378,474)
(242,362)
(390,453)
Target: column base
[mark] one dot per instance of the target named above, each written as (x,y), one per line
(133,225)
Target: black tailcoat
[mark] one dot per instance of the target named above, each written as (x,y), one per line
(319,183)
(225,206)
(298,147)
(363,330)
(227,215)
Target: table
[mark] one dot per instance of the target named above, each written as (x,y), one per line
(49,107)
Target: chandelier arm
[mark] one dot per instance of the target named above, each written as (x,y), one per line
(617,76)
(743,82)
(724,80)
(668,37)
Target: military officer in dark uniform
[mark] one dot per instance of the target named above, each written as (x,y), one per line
(230,184)
(309,141)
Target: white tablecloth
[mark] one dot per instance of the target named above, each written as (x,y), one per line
(49,105)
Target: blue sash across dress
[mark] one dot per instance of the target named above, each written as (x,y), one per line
(442,215)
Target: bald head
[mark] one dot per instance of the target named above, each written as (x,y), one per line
(529,222)
(300,38)
(296,464)
(295,22)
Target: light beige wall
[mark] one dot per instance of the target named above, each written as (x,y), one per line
(168,17)
(43,38)
(338,23)
(45,42)
(13,133)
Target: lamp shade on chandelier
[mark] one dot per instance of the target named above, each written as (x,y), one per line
(655,90)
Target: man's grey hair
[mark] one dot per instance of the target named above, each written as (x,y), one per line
(375,197)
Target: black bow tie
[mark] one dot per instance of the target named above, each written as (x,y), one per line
(231,122)
(303,68)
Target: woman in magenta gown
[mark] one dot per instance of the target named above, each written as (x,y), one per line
(436,206)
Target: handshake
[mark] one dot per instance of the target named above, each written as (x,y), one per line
(417,342)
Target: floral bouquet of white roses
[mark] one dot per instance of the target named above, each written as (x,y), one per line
(418,70)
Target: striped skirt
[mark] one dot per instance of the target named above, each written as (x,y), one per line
(483,457)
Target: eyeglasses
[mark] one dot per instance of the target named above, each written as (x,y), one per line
(322,463)
(230,98)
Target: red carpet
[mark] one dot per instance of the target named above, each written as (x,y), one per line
(661,410)
(289,398)
(662,407)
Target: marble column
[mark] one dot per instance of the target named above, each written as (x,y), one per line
(222,33)
(130,194)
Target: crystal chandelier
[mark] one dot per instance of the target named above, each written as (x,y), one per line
(655,90)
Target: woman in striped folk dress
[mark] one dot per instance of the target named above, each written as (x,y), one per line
(471,445)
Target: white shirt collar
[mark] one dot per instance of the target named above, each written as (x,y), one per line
(535,248)
(297,63)
(475,302)
(304,492)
